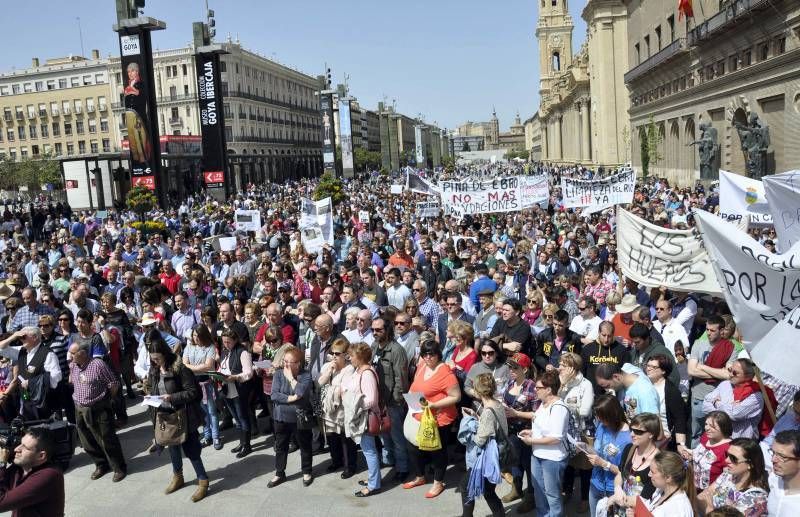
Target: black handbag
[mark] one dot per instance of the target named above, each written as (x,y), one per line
(305,418)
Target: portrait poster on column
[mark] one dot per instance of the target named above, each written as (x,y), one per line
(346,138)
(328,133)
(139,114)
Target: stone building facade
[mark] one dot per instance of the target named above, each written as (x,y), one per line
(733,59)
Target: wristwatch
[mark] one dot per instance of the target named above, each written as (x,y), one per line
(607,466)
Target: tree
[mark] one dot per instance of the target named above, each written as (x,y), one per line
(364,160)
(141,200)
(654,142)
(29,172)
(330,186)
(449,164)
(645,155)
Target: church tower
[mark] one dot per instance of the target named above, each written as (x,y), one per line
(494,130)
(554,33)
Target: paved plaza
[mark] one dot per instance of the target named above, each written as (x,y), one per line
(239,487)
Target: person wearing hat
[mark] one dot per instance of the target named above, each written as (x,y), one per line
(519,401)
(487,317)
(481,282)
(623,319)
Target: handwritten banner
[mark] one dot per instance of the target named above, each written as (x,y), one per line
(462,198)
(783,193)
(600,193)
(654,256)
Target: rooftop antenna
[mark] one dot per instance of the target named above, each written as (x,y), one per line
(80,34)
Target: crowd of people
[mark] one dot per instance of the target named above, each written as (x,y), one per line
(509,347)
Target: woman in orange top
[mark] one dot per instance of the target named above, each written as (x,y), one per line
(439,386)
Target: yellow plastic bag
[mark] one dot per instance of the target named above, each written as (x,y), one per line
(428,435)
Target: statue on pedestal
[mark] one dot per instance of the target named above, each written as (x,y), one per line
(707,148)
(755,141)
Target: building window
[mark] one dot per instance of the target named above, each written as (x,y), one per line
(15,89)
(28,87)
(87,80)
(81,147)
(733,63)
(35,150)
(59,148)
(222,66)
(75,82)
(32,132)
(92,125)
(747,57)
(23,152)
(173,92)
(93,146)
(39,85)
(185,70)
(67,129)
(106,145)
(21,132)
(763,52)
(51,84)
(79,129)
(56,129)
(188,111)
(720,68)
(186,89)
(174,113)
(638,52)
(780,45)
(99,79)
(671,24)
(647,46)
(70,149)
(45,130)
(556,62)
(104,125)
(658,37)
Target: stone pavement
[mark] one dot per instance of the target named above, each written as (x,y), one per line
(239,487)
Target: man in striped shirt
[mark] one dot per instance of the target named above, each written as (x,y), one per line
(58,344)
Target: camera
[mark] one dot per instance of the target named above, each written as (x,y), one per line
(11,435)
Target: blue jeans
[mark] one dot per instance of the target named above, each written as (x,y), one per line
(211,427)
(394,443)
(698,421)
(242,417)
(191,447)
(594,496)
(370,450)
(547,477)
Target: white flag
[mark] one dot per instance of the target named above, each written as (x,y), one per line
(762,290)
(740,196)
(783,194)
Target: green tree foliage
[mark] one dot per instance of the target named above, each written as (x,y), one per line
(517,153)
(141,200)
(30,172)
(364,160)
(654,141)
(449,164)
(643,150)
(330,186)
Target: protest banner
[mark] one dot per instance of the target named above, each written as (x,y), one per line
(740,196)
(363,216)
(427,209)
(396,189)
(317,213)
(600,193)
(654,256)
(534,190)
(461,198)
(247,220)
(312,238)
(762,290)
(783,193)
(415,183)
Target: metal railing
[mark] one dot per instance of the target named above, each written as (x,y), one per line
(725,18)
(675,48)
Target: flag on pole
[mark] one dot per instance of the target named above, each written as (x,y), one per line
(685,9)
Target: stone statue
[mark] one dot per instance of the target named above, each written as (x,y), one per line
(755,141)
(707,148)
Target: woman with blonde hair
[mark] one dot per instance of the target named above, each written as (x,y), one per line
(674,494)
(633,474)
(461,358)
(332,374)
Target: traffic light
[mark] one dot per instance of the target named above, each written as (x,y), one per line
(328,77)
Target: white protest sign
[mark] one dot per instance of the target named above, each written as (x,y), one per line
(363,216)
(600,193)
(427,209)
(461,198)
(654,256)
(248,220)
(534,190)
(762,290)
(740,196)
(227,243)
(396,189)
(318,213)
(312,239)
(783,193)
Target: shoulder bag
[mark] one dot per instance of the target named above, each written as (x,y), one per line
(171,427)
(378,422)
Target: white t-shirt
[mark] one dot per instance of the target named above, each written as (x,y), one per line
(551,422)
(586,328)
(779,504)
(676,506)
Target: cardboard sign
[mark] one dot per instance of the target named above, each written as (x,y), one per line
(599,194)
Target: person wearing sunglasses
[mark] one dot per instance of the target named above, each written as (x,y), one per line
(342,448)
(784,482)
(743,484)
(492,360)
(633,476)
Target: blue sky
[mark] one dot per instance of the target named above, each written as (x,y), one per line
(449,60)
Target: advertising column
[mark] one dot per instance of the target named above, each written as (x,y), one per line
(212,123)
(140,117)
(346,137)
(328,132)
(419,146)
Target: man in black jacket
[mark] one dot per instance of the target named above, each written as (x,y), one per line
(435,273)
(552,342)
(604,350)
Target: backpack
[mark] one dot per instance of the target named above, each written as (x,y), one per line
(573,433)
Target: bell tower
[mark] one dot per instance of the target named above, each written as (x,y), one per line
(554,34)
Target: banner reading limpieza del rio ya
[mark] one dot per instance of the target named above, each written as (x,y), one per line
(598,194)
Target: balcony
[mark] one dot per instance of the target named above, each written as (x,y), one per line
(31,115)
(20,116)
(8,117)
(102,107)
(175,121)
(178,98)
(78,110)
(726,18)
(676,48)
(55,112)
(42,113)
(89,109)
